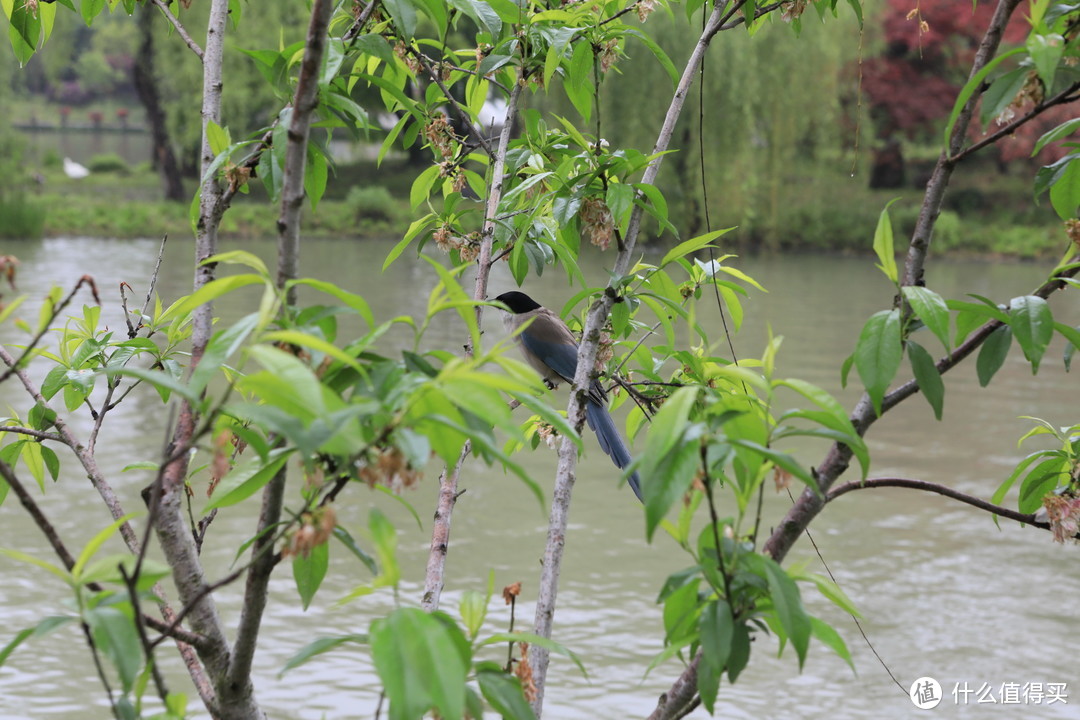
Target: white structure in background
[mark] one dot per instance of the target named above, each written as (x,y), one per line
(491,116)
(74,170)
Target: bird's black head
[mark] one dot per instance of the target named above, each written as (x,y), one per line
(518,302)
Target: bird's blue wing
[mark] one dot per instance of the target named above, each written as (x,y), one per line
(560,357)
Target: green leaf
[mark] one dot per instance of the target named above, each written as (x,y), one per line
(108,570)
(1065,192)
(505,695)
(992,354)
(24,32)
(315,176)
(693,244)
(878,354)
(928,377)
(659,53)
(787,604)
(740,652)
(973,84)
(115,634)
(31,560)
(473,609)
(44,627)
(1043,479)
(1046,51)
(669,459)
(319,647)
(302,339)
(781,459)
(1072,335)
(546,643)
(210,292)
(1023,465)
(421,187)
(883,245)
(1033,325)
(828,636)
(1061,131)
(931,309)
(247,478)
(96,542)
(309,571)
(717,632)
(422,662)
(218,137)
(403,14)
(347,540)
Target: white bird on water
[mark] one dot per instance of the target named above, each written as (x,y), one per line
(74,170)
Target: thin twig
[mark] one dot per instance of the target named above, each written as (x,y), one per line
(1061,98)
(131,581)
(913,484)
(39,434)
(46,326)
(463,115)
(164,7)
(448,481)
(100,669)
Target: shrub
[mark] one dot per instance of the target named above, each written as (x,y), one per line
(109,163)
(374,203)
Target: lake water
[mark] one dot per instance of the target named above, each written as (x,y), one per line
(943,592)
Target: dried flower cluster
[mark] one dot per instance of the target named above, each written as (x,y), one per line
(237,176)
(792,10)
(524,673)
(645,8)
(9,266)
(450,169)
(482,51)
(511,591)
(609,53)
(468,246)
(315,529)
(924,27)
(406,57)
(605,350)
(596,222)
(222,459)
(391,469)
(1064,513)
(1072,229)
(548,434)
(440,135)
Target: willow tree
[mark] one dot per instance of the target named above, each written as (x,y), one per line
(281,407)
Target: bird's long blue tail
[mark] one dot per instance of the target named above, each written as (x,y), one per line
(611,442)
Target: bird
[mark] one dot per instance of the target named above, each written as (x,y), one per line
(550,348)
(74,170)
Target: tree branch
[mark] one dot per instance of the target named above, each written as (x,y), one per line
(597,316)
(234,700)
(839,456)
(1061,98)
(305,102)
(939,180)
(434,577)
(180,30)
(912,484)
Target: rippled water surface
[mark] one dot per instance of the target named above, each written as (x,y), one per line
(942,591)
